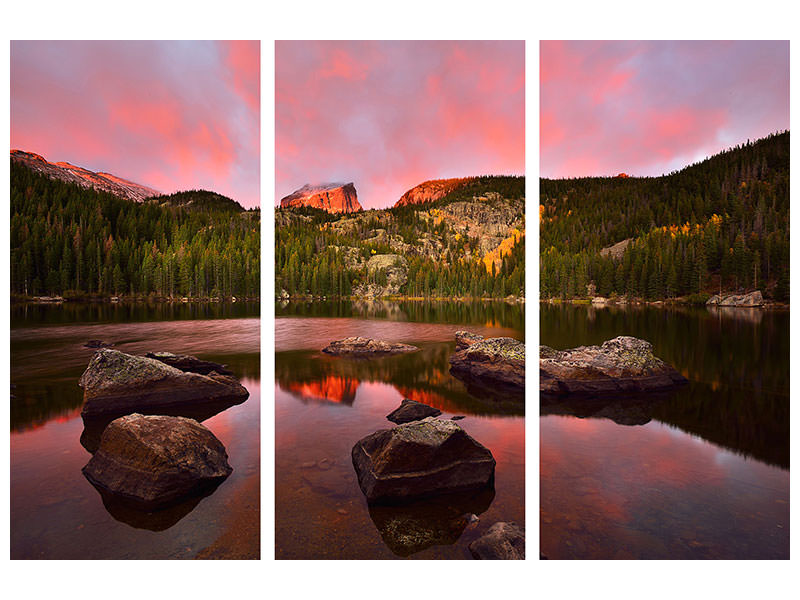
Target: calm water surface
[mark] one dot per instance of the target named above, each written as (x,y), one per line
(325,404)
(55,512)
(702,472)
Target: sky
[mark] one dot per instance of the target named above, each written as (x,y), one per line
(390,115)
(169,115)
(650,108)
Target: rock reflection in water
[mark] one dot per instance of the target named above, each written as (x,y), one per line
(159,520)
(624,410)
(410,528)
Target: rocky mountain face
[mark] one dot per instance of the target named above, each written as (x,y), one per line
(103,182)
(331,197)
(388,252)
(430,191)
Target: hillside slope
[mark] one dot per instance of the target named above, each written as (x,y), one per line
(469,242)
(722,223)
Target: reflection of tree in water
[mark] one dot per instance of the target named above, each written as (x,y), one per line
(423,376)
(499,314)
(725,417)
(737,362)
(24,314)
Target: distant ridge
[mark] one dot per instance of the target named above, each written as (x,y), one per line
(104,182)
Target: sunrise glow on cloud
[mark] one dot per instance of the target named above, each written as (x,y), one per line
(168,115)
(390,115)
(649,108)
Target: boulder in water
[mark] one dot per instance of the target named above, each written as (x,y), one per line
(411,410)
(622,365)
(361,347)
(116,383)
(420,459)
(156,461)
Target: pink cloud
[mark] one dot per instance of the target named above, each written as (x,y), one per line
(170,115)
(648,108)
(389,115)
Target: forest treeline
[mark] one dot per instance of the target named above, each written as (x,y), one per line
(309,256)
(72,241)
(718,225)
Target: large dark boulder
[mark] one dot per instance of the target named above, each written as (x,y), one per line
(492,361)
(361,347)
(189,364)
(503,541)
(156,461)
(116,383)
(622,365)
(411,410)
(420,459)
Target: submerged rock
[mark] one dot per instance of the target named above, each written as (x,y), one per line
(503,541)
(189,364)
(623,364)
(366,347)
(751,300)
(116,383)
(411,410)
(496,360)
(420,459)
(156,461)
(465,339)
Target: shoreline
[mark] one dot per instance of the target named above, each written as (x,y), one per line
(671,303)
(55,300)
(507,299)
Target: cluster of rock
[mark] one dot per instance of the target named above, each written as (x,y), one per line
(153,461)
(751,300)
(622,365)
(416,474)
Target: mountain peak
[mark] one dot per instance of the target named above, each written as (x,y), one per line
(430,191)
(103,182)
(331,197)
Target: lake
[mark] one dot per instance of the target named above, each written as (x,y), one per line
(698,473)
(55,512)
(324,405)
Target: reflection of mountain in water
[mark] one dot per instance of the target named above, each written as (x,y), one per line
(411,528)
(422,376)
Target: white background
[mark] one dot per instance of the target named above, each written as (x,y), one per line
(409,19)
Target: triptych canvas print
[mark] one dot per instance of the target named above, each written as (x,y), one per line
(395,283)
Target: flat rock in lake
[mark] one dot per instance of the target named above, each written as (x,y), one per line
(622,365)
(116,383)
(411,410)
(492,360)
(420,459)
(189,364)
(156,461)
(503,541)
(361,347)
